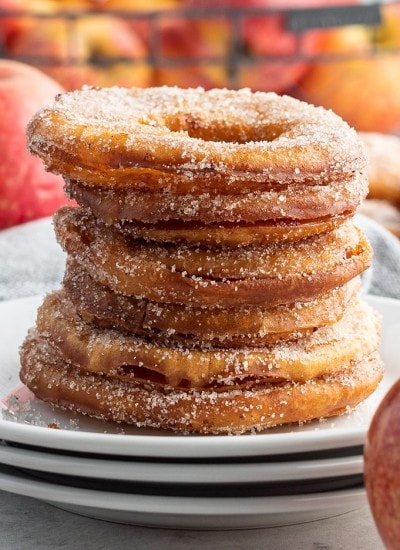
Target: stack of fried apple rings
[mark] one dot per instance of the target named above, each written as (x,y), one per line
(212,280)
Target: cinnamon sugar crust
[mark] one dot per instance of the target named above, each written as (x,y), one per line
(180,274)
(195,363)
(192,139)
(200,411)
(233,327)
(212,280)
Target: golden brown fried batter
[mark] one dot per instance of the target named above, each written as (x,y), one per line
(193,141)
(233,327)
(302,204)
(198,276)
(212,280)
(195,363)
(202,411)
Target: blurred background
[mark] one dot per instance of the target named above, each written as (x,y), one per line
(341,54)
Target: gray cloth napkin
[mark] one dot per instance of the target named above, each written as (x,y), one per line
(31,262)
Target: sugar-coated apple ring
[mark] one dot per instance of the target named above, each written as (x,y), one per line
(196,364)
(232,327)
(230,234)
(201,411)
(383,166)
(179,274)
(297,203)
(192,141)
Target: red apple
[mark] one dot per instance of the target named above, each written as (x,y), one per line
(382,467)
(100,41)
(360,87)
(260,35)
(135,5)
(266,35)
(27,191)
(46,6)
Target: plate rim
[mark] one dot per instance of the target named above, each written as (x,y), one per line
(205,473)
(22,483)
(184,446)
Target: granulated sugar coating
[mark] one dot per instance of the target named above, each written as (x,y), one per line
(212,280)
(223,327)
(220,135)
(279,273)
(195,363)
(203,411)
(304,203)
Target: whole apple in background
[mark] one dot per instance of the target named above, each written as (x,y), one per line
(106,38)
(267,36)
(382,467)
(135,5)
(260,35)
(362,89)
(45,7)
(27,191)
(278,4)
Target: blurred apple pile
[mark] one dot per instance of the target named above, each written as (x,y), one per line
(353,69)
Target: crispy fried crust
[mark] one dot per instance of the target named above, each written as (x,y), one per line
(230,234)
(193,141)
(299,203)
(205,277)
(233,327)
(202,411)
(195,364)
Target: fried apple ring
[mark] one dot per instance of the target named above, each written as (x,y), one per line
(200,411)
(140,375)
(304,204)
(110,352)
(193,141)
(230,234)
(184,275)
(232,327)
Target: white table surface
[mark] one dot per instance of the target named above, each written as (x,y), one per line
(28,524)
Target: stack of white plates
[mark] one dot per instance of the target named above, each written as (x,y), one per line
(285,475)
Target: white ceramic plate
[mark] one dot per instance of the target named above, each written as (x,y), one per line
(236,512)
(180,473)
(30,425)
